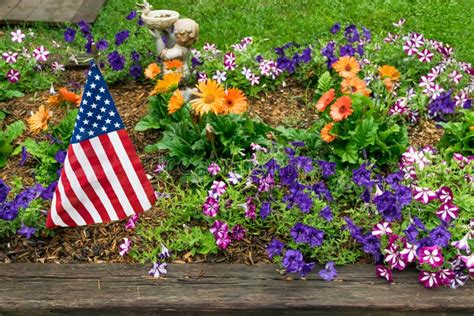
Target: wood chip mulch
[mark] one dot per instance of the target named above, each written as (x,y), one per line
(290,106)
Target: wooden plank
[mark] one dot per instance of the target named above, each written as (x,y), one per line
(220,288)
(89,11)
(55,11)
(22,10)
(6,6)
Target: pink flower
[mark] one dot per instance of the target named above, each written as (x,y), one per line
(222,239)
(234,178)
(391,254)
(219,226)
(447,212)
(131,223)
(423,195)
(399,23)
(425,56)
(431,255)
(460,159)
(213,169)
(229,58)
(383,272)
(445,276)
(254,80)
(202,77)
(410,48)
(417,39)
(425,81)
(17,36)
(230,66)
(219,187)
(125,246)
(161,167)
(210,207)
(13,76)
(468,260)
(435,90)
(445,195)
(460,98)
(210,47)
(247,73)
(57,67)
(462,244)
(390,38)
(10,57)
(382,228)
(409,252)
(428,279)
(40,54)
(250,208)
(455,76)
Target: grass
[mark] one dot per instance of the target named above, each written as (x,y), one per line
(279,21)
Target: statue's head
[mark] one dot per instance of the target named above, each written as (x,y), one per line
(186,32)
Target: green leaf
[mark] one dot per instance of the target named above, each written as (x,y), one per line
(146,123)
(347,153)
(365,133)
(14,130)
(324,82)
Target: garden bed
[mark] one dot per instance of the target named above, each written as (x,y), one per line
(221,289)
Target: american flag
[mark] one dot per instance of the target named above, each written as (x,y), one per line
(102,178)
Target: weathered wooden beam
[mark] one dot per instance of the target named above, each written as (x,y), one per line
(224,289)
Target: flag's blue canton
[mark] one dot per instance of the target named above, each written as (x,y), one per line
(97,113)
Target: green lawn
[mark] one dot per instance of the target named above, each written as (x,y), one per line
(227,21)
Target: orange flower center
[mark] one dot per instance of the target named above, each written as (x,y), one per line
(348,67)
(353,89)
(342,109)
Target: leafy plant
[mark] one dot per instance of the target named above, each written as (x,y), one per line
(458,135)
(7,137)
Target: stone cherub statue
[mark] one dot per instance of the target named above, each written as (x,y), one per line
(174,36)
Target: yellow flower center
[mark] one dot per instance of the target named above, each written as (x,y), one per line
(209,98)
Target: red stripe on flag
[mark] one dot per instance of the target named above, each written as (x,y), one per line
(132,155)
(73,199)
(103,180)
(86,186)
(120,172)
(66,218)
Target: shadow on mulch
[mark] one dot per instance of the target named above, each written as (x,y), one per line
(288,106)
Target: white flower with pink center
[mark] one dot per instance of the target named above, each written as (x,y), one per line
(423,195)
(428,279)
(17,36)
(445,194)
(425,56)
(417,39)
(410,48)
(382,228)
(13,76)
(408,253)
(254,80)
(431,255)
(125,247)
(40,54)
(455,76)
(10,57)
(447,212)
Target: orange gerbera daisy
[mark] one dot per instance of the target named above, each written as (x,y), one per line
(169,81)
(325,100)
(69,96)
(152,71)
(38,121)
(346,66)
(326,133)
(176,102)
(341,109)
(54,100)
(390,72)
(354,85)
(174,64)
(234,102)
(211,95)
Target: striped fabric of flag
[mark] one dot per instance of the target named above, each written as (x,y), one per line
(102,179)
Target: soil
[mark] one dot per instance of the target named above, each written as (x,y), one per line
(287,106)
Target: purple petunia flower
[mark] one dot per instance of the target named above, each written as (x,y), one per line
(158,269)
(346,50)
(135,56)
(213,169)
(85,29)
(388,207)
(288,175)
(131,15)
(210,207)
(335,28)
(8,211)
(371,244)
(26,231)
(135,71)
(24,156)
(250,208)
(102,44)
(60,156)
(431,255)
(411,233)
(327,168)
(307,268)
(265,210)
(326,213)
(292,261)
(329,272)
(447,212)
(116,61)
(361,176)
(445,195)
(238,232)
(125,247)
(69,35)
(440,236)
(274,248)
(165,252)
(383,272)
(219,226)
(4,190)
(367,34)
(298,233)
(428,279)
(314,236)
(441,106)
(222,239)
(351,33)
(48,192)
(356,231)
(121,36)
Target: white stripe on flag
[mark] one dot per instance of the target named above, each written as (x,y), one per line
(81,195)
(57,220)
(111,175)
(129,170)
(94,182)
(73,213)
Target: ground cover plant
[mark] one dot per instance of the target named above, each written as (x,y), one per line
(347,187)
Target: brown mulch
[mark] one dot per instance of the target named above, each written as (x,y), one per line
(289,106)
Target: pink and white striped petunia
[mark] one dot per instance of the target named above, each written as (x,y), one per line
(462,244)
(383,272)
(399,23)
(410,48)
(447,212)
(460,159)
(17,36)
(390,38)
(382,228)
(425,56)
(445,195)
(13,76)
(125,247)
(423,195)
(425,81)
(10,57)
(219,187)
(393,258)
(417,39)
(445,276)
(229,57)
(41,54)
(431,255)
(460,98)
(408,253)
(254,80)
(446,50)
(468,260)
(428,279)
(455,76)
(435,90)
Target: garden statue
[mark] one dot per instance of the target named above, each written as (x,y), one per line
(174,36)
